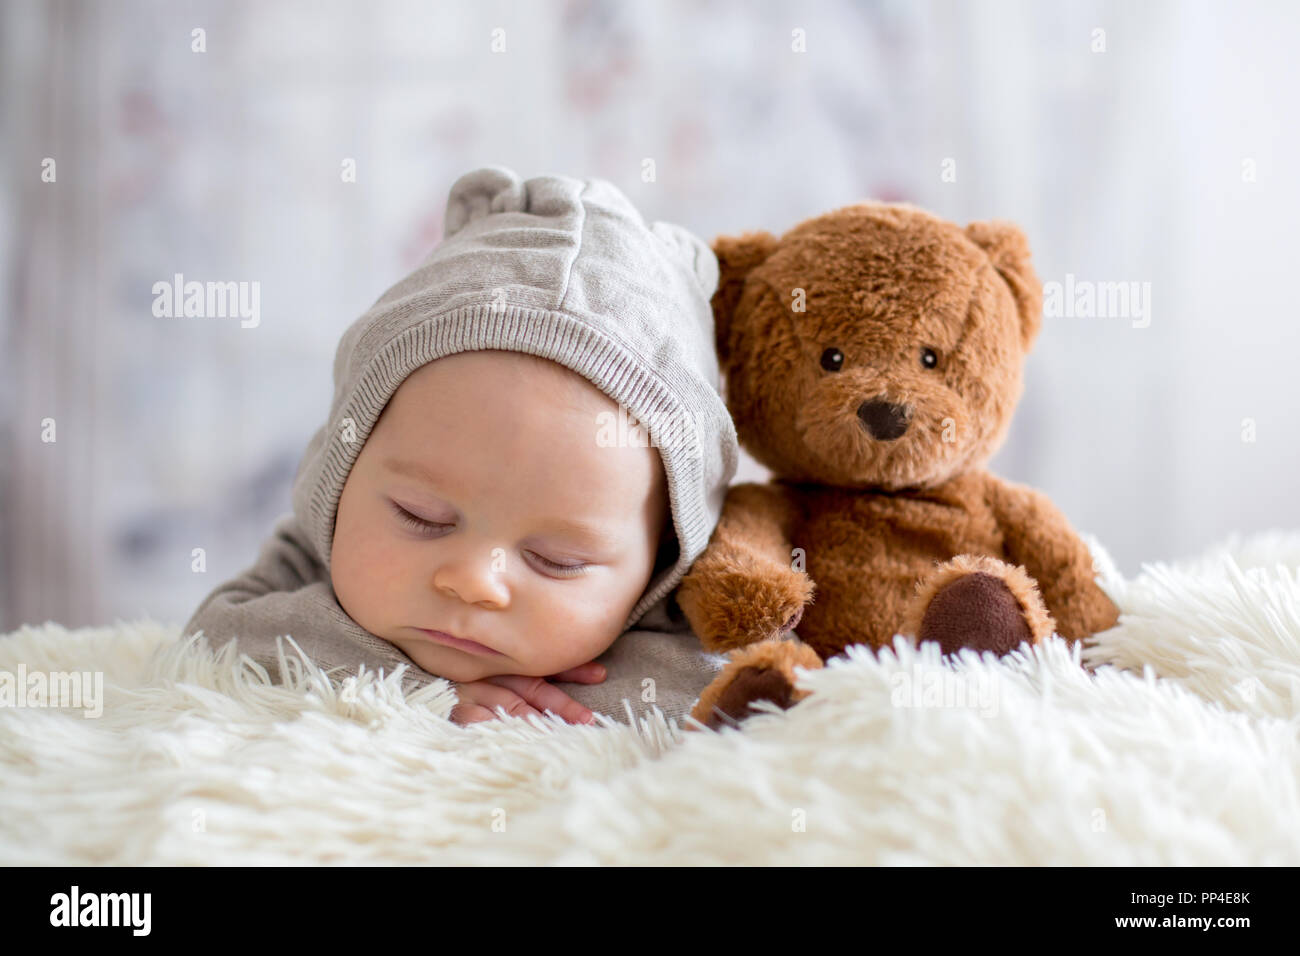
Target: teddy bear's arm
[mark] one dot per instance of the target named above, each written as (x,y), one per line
(744,588)
(1037,535)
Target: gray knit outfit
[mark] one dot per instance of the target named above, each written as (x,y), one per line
(557,267)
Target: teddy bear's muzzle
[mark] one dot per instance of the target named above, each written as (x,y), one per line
(884,420)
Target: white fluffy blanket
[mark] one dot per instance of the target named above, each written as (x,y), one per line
(1184,748)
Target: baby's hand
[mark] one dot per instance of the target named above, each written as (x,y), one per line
(521,695)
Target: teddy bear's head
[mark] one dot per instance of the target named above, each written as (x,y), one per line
(876,345)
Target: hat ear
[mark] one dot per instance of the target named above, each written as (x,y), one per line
(1008,250)
(737,256)
(693,252)
(480,192)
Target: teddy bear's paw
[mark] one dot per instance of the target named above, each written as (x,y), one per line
(734,609)
(750,684)
(981,603)
(764,671)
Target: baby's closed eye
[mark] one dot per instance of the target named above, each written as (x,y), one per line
(569,568)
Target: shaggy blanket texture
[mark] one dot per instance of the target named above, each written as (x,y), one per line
(1182,748)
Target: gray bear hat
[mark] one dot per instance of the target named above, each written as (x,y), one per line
(568,270)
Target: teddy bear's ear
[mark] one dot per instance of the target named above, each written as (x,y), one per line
(738,256)
(1008,250)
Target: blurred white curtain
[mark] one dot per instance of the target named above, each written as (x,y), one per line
(52,524)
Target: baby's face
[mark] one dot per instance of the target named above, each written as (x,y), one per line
(483,506)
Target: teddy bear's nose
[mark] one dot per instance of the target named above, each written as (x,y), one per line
(882,419)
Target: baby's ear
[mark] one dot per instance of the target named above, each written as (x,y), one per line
(738,256)
(482,191)
(1008,250)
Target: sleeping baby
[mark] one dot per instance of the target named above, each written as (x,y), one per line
(526,451)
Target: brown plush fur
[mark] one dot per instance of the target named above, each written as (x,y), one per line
(761,671)
(881,517)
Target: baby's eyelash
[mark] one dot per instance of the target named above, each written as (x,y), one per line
(568,570)
(420,524)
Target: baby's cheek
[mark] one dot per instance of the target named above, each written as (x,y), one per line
(581,630)
(363,580)
(347,588)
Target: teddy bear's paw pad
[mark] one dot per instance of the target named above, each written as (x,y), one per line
(750,684)
(977,611)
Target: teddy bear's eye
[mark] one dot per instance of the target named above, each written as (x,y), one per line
(929,358)
(832,360)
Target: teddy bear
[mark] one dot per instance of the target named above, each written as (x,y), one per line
(872,359)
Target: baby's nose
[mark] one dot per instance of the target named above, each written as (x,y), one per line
(471,582)
(883,419)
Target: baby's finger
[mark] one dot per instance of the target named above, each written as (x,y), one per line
(470,714)
(589,673)
(488,697)
(545,696)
